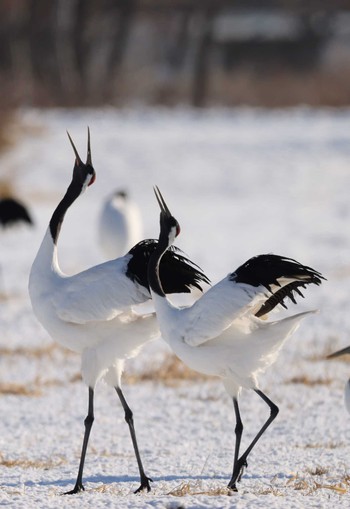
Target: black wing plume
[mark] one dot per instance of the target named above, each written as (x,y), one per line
(266,270)
(177,273)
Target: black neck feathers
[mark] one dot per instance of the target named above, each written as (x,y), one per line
(71,195)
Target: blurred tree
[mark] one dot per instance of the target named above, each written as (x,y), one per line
(90,52)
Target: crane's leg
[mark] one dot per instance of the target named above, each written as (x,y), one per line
(238,432)
(145,481)
(88,425)
(242,461)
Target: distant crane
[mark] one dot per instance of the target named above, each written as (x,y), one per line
(222,333)
(94,312)
(13,212)
(120,225)
(347,385)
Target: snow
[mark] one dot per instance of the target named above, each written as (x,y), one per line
(241,182)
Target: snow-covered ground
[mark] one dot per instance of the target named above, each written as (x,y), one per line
(241,182)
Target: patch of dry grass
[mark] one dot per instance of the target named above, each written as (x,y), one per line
(306,380)
(270,490)
(111,489)
(328,348)
(14,389)
(37,352)
(7,123)
(310,485)
(35,387)
(188,488)
(171,373)
(27,463)
(318,470)
(323,445)
(6,188)
(314,479)
(12,129)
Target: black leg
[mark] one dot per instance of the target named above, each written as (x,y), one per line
(238,432)
(88,425)
(242,461)
(145,481)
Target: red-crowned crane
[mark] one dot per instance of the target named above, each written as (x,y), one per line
(222,333)
(94,312)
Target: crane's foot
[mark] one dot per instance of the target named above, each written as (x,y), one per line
(77,489)
(237,473)
(145,485)
(232,487)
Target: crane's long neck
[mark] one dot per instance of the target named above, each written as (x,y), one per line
(46,261)
(56,221)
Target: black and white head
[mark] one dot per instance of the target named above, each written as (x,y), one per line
(83,174)
(169,227)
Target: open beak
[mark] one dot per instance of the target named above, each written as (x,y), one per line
(161,202)
(88,157)
(78,161)
(165,213)
(77,157)
(339,352)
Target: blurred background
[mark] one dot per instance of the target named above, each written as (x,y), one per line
(165,52)
(239,111)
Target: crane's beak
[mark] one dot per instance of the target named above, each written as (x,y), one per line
(78,161)
(88,157)
(165,214)
(77,157)
(161,202)
(339,352)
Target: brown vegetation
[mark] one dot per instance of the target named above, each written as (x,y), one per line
(171,372)
(306,380)
(26,463)
(196,488)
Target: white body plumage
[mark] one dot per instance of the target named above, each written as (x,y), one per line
(219,334)
(90,312)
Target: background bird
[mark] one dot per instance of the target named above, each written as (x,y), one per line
(120,225)
(94,312)
(13,212)
(343,351)
(222,333)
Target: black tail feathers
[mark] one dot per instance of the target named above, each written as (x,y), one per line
(272,270)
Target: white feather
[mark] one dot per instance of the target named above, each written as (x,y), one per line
(120,226)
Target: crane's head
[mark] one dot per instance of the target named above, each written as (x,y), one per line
(169,227)
(84,174)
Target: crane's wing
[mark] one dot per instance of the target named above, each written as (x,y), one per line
(255,288)
(98,294)
(104,291)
